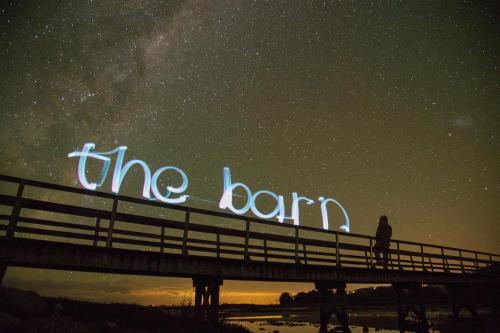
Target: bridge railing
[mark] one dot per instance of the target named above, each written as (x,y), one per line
(51,212)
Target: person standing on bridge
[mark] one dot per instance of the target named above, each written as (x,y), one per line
(383,241)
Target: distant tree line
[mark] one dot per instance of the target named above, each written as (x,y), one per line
(302,298)
(371,296)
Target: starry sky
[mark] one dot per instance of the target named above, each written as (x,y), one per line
(391,107)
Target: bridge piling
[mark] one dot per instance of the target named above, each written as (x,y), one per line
(206,305)
(332,305)
(3,270)
(462,297)
(409,298)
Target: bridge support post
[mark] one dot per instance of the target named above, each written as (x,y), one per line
(206,299)
(332,304)
(495,301)
(461,296)
(494,298)
(409,296)
(3,270)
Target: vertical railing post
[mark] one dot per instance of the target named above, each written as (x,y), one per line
(430,262)
(399,255)
(422,257)
(477,261)
(247,238)
(96,231)
(162,239)
(445,266)
(367,259)
(296,244)
(461,261)
(218,245)
(371,252)
(16,210)
(186,230)
(265,249)
(337,247)
(109,241)
(304,250)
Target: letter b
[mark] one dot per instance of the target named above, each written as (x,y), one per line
(226,200)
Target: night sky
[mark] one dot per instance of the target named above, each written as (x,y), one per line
(389,107)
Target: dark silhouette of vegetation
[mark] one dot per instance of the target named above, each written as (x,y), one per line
(118,317)
(286,299)
(27,312)
(378,296)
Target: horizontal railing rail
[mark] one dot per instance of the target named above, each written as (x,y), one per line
(46,219)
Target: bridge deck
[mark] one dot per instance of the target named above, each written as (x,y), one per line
(61,227)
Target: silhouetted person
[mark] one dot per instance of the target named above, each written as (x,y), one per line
(383,240)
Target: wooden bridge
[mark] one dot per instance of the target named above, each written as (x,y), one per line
(59,227)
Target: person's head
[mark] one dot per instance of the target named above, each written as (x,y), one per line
(383,220)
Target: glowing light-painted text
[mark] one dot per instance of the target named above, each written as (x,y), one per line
(151,191)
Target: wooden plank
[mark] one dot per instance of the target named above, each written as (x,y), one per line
(62,208)
(57,233)
(58,224)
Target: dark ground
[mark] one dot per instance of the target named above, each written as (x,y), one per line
(27,312)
